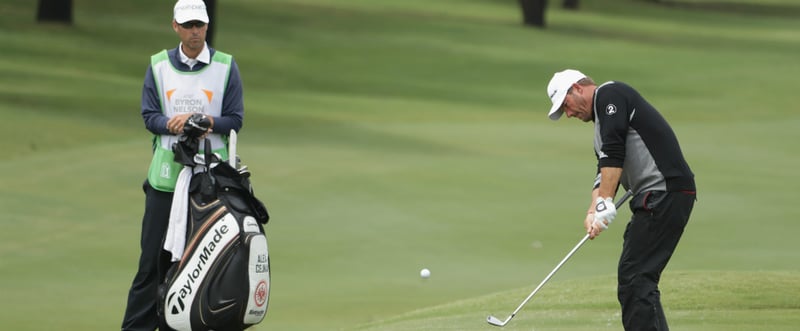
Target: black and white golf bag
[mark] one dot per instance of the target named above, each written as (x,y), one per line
(222,282)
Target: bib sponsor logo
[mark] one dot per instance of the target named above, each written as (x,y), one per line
(165,167)
(189,104)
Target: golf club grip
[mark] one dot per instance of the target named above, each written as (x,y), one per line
(619,203)
(624,198)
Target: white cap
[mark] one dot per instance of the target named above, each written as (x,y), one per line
(190,10)
(558,87)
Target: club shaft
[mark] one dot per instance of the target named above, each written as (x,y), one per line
(550,275)
(574,249)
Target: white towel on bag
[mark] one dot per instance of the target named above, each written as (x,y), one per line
(175,241)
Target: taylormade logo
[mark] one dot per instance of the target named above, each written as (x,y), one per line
(183,289)
(195,273)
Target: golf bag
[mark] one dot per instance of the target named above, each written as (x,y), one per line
(222,281)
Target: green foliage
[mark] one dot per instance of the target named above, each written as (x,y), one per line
(391,136)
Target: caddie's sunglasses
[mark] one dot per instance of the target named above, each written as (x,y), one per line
(190,24)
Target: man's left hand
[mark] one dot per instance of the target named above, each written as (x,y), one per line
(604,213)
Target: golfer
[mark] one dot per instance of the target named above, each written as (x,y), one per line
(635,147)
(191,78)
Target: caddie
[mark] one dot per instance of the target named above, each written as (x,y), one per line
(191,78)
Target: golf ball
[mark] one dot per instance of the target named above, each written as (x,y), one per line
(424,273)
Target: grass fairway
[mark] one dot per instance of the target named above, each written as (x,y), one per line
(696,300)
(391,136)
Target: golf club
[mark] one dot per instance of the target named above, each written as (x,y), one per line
(497,322)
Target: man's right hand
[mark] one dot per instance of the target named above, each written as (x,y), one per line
(592,226)
(587,224)
(175,123)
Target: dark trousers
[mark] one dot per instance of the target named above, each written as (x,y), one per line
(141,313)
(649,241)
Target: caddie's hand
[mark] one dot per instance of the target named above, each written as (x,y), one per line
(175,123)
(604,213)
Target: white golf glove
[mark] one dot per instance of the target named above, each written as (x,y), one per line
(604,210)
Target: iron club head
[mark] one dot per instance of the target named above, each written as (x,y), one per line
(495,321)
